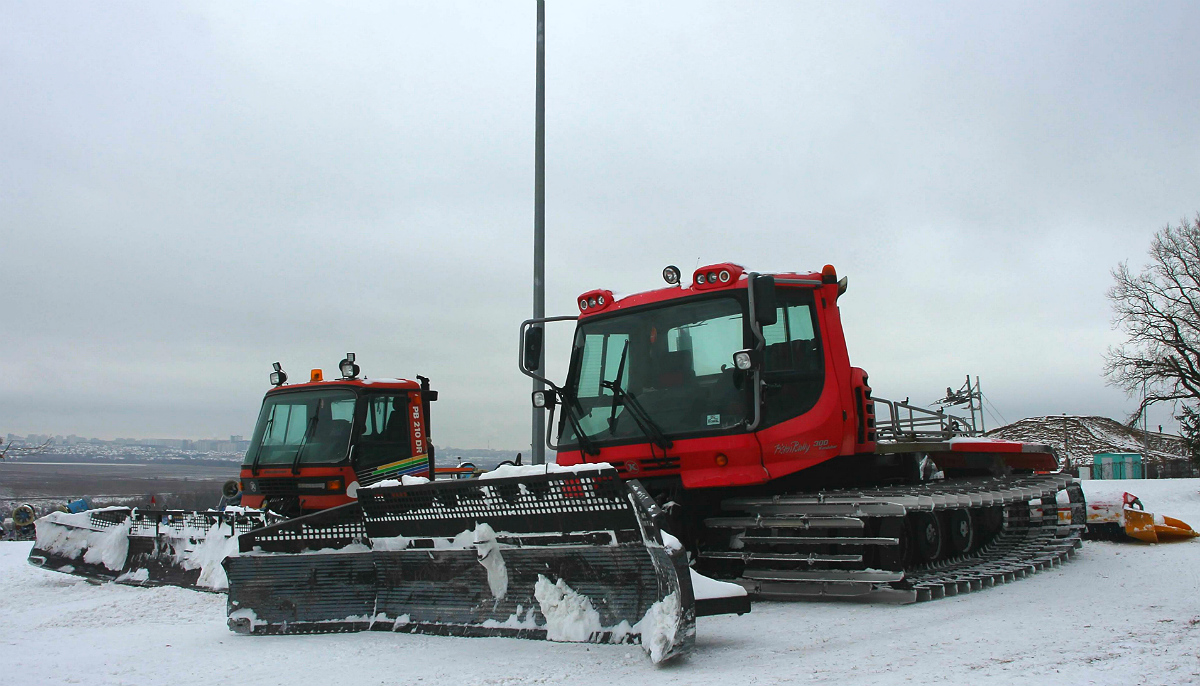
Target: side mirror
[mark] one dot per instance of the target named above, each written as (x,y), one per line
(543,399)
(764,300)
(531,357)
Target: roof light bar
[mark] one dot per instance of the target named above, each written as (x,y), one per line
(595,300)
(716,276)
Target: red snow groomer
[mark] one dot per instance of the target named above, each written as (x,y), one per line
(731,398)
(316,443)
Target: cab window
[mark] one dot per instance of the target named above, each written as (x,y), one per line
(385,432)
(793,363)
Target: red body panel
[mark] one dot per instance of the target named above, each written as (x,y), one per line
(694,459)
(307,502)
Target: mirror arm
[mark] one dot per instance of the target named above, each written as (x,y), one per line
(521,347)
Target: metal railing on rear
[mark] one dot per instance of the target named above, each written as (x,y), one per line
(907,423)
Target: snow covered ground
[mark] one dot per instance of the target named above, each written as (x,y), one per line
(1118,614)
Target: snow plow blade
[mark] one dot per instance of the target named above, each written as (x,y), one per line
(142,547)
(561,556)
(1114,520)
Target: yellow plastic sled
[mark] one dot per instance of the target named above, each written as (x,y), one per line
(1128,518)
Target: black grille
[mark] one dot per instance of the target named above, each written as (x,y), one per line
(275,488)
(586,501)
(179,523)
(332,528)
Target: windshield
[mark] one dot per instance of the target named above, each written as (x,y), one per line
(306,427)
(676,360)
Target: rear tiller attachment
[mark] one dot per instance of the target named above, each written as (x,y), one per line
(566,556)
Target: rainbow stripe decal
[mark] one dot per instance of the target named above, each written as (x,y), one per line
(409,465)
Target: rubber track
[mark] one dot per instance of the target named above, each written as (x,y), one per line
(1032,537)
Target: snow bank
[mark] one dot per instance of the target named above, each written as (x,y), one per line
(549,468)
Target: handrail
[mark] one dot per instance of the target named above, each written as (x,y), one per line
(908,422)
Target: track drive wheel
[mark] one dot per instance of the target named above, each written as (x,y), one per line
(962,531)
(928,536)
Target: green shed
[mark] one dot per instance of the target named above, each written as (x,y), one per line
(1117,466)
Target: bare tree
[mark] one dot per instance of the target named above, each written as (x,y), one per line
(25,450)
(1159,311)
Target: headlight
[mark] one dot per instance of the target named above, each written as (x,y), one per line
(742,360)
(349,369)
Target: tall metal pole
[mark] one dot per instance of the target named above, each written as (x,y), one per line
(538,448)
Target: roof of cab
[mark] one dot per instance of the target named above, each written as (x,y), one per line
(376,384)
(689,289)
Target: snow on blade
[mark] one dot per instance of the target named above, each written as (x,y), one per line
(659,626)
(109,547)
(138,576)
(491,559)
(208,556)
(62,537)
(70,535)
(536,470)
(705,588)
(570,616)
(670,542)
(404,480)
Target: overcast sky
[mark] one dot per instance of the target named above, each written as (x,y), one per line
(192,191)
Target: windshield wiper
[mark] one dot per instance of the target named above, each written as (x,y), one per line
(612,414)
(640,416)
(258,448)
(570,406)
(308,431)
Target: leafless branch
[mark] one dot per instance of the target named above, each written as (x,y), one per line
(1159,312)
